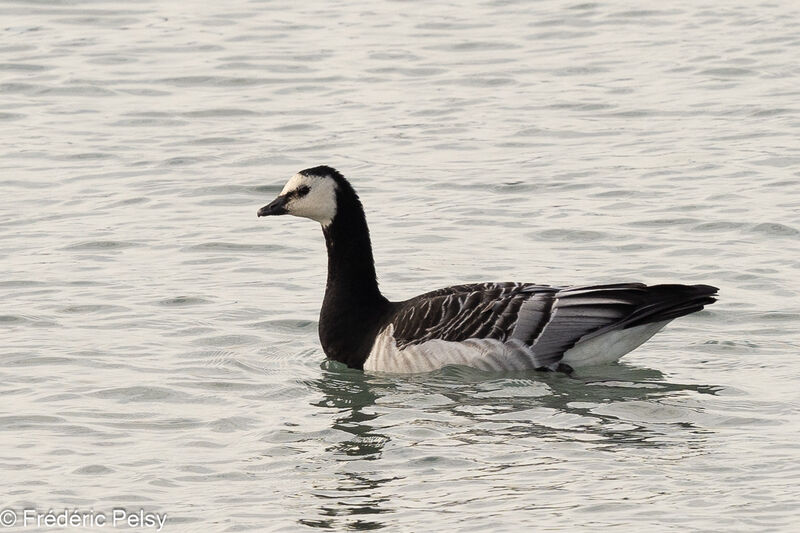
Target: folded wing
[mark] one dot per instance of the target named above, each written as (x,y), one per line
(523,321)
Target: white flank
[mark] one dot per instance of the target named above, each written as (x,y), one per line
(609,347)
(483,354)
(494,355)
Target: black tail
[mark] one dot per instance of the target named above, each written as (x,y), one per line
(665,302)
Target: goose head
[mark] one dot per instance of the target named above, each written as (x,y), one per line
(311,193)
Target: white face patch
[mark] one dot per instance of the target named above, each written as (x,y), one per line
(319,203)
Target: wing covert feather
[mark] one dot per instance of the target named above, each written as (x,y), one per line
(483,311)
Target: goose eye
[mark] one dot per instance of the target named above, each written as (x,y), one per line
(302,191)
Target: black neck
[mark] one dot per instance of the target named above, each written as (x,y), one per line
(353,306)
(351,268)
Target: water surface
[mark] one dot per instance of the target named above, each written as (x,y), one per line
(160,346)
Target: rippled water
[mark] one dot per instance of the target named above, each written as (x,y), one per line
(160,347)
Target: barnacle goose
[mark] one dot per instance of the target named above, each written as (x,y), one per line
(489,326)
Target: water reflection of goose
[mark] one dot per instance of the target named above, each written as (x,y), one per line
(393,428)
(489,326)
(514,404)
(351,394)
(356,495)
